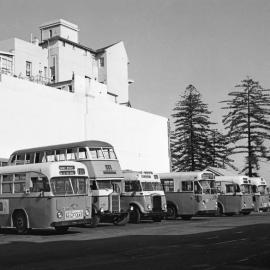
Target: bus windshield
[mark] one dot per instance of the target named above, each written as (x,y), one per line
(147,186)
(157,186)
(104,184)
(68,185)
(262,190)
(246,189)
(208,186)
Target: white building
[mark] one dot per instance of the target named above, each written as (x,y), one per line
(96,84)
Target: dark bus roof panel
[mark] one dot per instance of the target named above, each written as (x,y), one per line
(90,143)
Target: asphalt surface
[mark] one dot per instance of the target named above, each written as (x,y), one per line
(240,242)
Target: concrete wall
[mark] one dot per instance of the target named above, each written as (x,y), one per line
(117,71)
(37,115)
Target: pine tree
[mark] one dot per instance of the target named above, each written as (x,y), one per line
(219,151)
(189,144)
(247,123)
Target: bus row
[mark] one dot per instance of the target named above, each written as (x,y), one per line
(82,183)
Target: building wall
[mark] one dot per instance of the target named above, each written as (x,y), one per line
(73,59)
(117,71)
(26,51)
(37,115)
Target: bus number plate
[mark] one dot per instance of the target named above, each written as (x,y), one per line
(74,214)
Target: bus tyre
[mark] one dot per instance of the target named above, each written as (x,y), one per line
(186,217)
(171,212)
(246,213)
(61,229)
(122,221)
(135,216)
(20,222)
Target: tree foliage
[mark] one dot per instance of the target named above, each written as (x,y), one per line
(189,141)
(247,123)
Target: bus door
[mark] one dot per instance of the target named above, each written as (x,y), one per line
(231,200)
(187,204)
(37,192)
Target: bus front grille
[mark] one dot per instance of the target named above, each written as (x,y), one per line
(115,203)
(157,207)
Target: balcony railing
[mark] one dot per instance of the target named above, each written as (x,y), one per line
(37,79)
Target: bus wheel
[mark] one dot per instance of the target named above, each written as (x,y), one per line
(246,213)
(171,212)
(20,222)
(135,216)
(186,217)
(122,221)
(61,229)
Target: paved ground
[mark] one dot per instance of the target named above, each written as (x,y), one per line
(240,242)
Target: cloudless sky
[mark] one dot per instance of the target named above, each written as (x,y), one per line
(212,44)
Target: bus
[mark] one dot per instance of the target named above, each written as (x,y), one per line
(44,195)
(103,169)
(234,195)
(143,194)
(189,193)
(260,194)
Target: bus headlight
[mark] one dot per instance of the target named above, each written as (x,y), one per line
(165,206)
(101,210)
(87,212)
(149,207)
(59,214)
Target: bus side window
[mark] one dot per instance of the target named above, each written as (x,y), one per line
(197,188)
(93,185)
(39,184)
(20,159)
(13,159)
(61,155)
(7,183)
(168,185)
(128,186)
(82,153)
(19,184)
(50,157)
(71,154)
(187,186)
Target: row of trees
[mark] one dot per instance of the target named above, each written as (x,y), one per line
(197,144)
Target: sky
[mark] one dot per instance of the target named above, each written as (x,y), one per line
(212,44)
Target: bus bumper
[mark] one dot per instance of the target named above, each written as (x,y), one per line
(152,215)
(206,213)
(70,223)
(112,217)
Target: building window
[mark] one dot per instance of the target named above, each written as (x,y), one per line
(101,62)
(28,69)
(50,33)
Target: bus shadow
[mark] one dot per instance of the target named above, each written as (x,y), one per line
(135,252)
(37,232)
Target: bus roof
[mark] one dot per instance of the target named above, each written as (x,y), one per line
(238,179)
(186,175)
(89,143)
(258,181)
(140,175)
